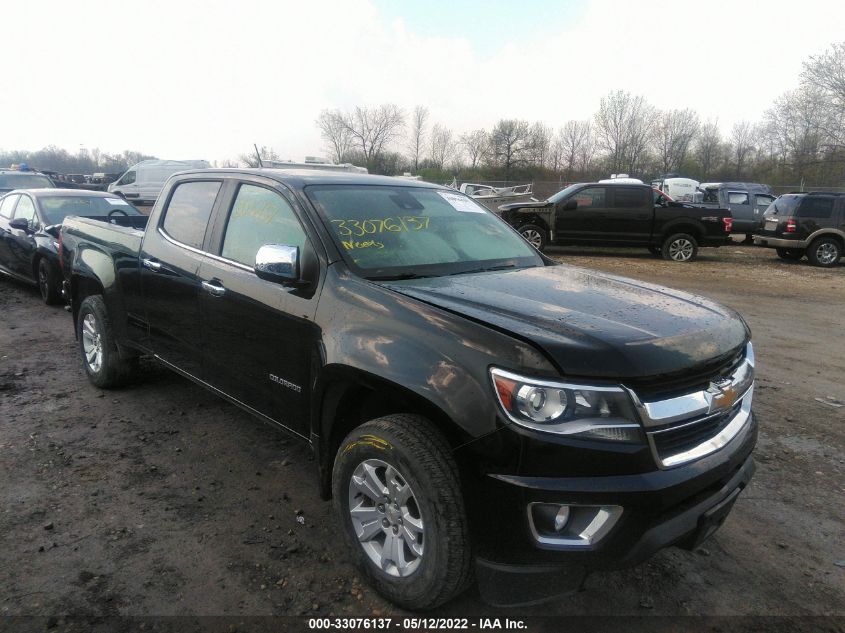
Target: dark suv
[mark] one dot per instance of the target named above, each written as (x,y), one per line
(811,224)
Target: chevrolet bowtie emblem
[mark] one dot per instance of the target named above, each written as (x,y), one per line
(722,395)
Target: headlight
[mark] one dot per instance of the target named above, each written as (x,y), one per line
(587,411)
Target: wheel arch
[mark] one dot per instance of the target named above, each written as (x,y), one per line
(347,398)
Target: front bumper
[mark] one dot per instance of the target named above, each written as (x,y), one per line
(777,242)
(678,506)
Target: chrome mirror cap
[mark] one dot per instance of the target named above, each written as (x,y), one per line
(277,262)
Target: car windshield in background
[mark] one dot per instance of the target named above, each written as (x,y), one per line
(563,193)
(783,206)
(389,232)
(24,181)
(57,208)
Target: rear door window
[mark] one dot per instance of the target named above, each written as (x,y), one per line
(737,197)
(816,207)
(259,216)
(762,202)
(8,205)
(187,213)
(628,198)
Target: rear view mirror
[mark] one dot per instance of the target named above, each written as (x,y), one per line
(278,263)
(21,224)
(570,205)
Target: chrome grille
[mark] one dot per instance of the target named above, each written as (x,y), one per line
(686,427)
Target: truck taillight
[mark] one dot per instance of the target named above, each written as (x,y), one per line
(791,226)
(729,224)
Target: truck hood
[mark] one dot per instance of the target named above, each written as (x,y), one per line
(528,204)
(590,323)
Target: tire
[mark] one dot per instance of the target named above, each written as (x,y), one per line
(100,356)
(420,458)
(655,250)
(790,253)
(48,282)
(824,252)
(679,247)
(535,235)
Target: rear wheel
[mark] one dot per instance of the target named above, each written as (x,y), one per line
(398,497)
(790,253)
(535,235)
(680,247)
(100,356)
(825,252)
(48,282)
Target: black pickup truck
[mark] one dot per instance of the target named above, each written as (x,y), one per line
(476,410)
(608,214)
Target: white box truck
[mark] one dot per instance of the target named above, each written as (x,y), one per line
(142,183)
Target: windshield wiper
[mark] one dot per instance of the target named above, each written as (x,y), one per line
(483,270)
(397,277)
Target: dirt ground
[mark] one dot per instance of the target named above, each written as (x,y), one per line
(162,499)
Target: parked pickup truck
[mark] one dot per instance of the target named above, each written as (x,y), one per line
(610,214)
(475,409)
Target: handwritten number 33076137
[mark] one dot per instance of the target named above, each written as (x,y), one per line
(359,228)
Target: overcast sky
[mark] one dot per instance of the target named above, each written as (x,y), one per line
(207,79)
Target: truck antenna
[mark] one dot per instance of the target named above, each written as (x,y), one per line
(258,155)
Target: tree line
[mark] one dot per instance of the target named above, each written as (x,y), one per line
(800,140)
(85,161)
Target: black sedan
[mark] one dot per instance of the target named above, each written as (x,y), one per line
(30,220)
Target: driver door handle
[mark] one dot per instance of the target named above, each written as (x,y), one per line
(214,289)
(152,264)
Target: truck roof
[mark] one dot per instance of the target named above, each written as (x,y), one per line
(299,178)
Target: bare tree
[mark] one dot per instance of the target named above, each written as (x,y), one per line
(441,145)
(742,135)
(624,124)
(372,129)
(417,138)
(510,143)
(335,134)
(574,139)
(674,133)
(826,72)
(477,147)
(707,148)
(799,120)
(541,143)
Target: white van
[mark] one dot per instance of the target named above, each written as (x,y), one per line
(142,182)
(679,189)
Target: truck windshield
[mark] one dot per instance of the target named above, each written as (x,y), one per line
(387,232)
(56,208)
(783,206)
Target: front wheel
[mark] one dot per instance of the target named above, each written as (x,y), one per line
(398,497)
(100,356)
(790,253)
(824,252)
(535,235)
(680,247)
(48,283)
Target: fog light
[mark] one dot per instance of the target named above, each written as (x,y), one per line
(561,518)
(559,526)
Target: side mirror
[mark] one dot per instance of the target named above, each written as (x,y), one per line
(570,205)
(21,224)
(278,263)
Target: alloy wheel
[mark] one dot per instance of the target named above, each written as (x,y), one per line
(92,343)
(43,280)
(827,253)
(386,517)
(680,250)
(534,238)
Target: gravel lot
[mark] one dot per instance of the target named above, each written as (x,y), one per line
(161,499)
